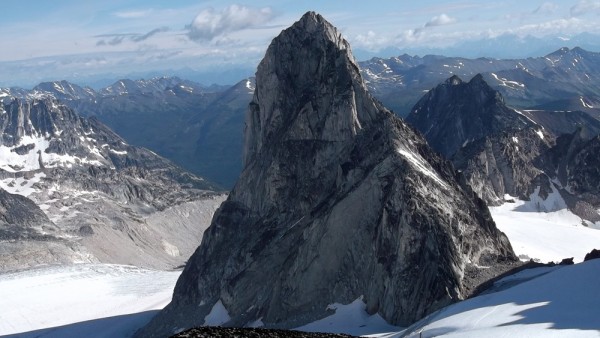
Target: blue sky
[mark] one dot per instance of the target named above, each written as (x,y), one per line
(67,39)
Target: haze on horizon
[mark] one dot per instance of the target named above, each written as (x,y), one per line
(212,41)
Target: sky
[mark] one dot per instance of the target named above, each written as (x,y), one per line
(85,41)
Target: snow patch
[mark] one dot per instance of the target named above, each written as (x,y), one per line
(20,185)
(256,323)
(170,249)
(584,104)
(218,315)
(506,83)
(540,134)
(527,117)
(351,319)
(249,85)
(419,163)
(124,152)
(553,201)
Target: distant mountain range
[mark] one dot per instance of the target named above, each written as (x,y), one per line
(201,128)
(571,75)
(505,46)
(198,127)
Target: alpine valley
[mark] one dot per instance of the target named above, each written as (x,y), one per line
(403,197)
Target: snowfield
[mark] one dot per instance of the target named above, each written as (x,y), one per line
(545,236)
(82,300)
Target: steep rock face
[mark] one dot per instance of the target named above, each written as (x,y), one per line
(338,199)
(455,113)
(574,160)
(100,192)
(504,163)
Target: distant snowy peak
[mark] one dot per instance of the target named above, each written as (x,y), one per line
(564,74)
(42,133)
(150,86)
(64,90)
(69,92)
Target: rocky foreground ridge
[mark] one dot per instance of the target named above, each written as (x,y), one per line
(338,199)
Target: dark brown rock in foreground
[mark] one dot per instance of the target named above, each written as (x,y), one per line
(217,332)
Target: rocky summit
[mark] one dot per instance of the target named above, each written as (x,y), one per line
(455,113)
(338,200)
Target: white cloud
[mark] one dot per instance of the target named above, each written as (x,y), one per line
(584,7)
(209,23)
(440,20)
(571,25)
(370,41)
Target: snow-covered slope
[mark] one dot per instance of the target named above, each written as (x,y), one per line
(82,300)
(558,302)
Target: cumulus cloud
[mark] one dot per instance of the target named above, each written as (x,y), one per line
(370,41)
(440,20)
(209,23)
(584,7)
(552,27)
(420,33)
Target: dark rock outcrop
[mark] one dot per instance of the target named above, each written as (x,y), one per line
(338,199)
(215,332)
(21,218)
(505,163)
(594,254)
(455,113)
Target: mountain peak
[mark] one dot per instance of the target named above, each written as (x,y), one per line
(455,113)
(309,65)
(312,22)
(454,80)
(338,198)
(478,79)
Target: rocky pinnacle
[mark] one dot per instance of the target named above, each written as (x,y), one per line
(338,200)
